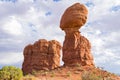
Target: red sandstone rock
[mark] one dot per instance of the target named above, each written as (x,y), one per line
(74,17)
(42,55)
(76,48)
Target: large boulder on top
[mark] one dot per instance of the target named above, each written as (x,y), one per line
(74,17)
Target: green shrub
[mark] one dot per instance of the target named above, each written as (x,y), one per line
(90,76)
(10,73)
(4,75)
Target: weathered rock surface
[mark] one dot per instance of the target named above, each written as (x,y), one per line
(74,17)
(42,55)
(76,48)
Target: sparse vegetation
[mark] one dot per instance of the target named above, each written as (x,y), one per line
(34,72)
(10,73)
(52,74)
(68,74)
(28,77)
(78,65)
(90,76)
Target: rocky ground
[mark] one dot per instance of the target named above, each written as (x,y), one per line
(75,73)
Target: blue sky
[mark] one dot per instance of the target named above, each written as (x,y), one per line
(25,21)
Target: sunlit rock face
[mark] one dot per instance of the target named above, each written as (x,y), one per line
(76,48)
(74,17)
(42,55)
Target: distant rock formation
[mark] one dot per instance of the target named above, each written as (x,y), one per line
(42,55)
(76,48)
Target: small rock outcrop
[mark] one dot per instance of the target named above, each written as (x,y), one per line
(76,48)
(42,55)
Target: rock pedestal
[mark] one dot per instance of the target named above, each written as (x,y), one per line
(76,48)
(42,55)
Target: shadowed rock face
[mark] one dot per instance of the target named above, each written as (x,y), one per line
(42,55)
(74,17)
(76,48)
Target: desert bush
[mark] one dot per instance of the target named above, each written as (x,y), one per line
(4,75)
(52,74)
(68,74)
(34,72)
(10,73)
(90,76)
(78,65)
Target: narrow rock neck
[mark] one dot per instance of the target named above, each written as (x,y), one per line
(71,39)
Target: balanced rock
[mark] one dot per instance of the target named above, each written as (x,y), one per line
(42,55)
(76,48)
(74,17)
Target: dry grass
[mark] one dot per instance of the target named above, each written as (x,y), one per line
(29,77)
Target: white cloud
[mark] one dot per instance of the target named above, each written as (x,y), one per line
(10,58)
(12,26)
(101,8)
(117,62)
